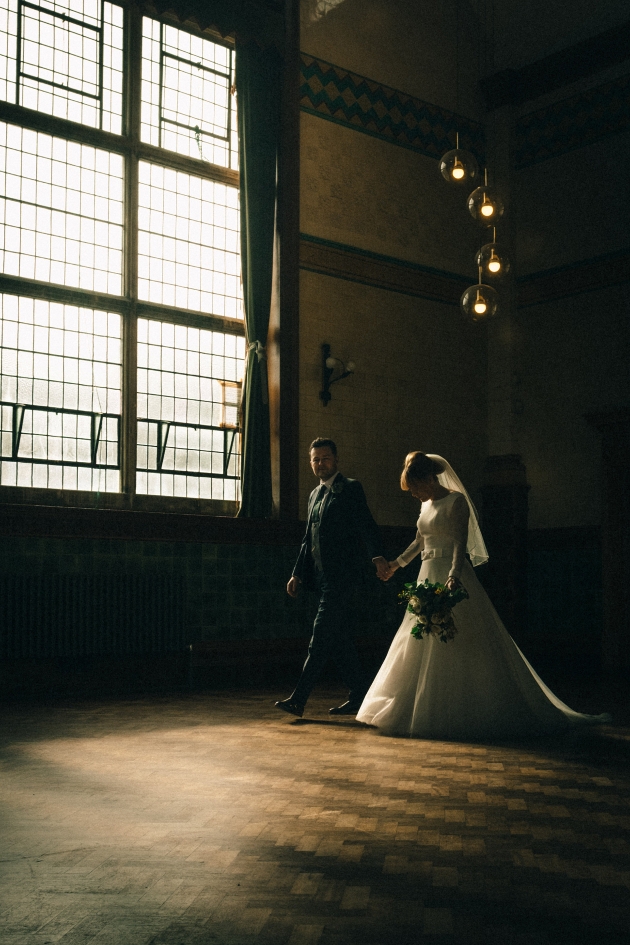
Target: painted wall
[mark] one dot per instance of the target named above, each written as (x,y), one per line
(574,206)
(572,360)
(366,192)
(424,379)
(572,354)
(408,44)
(526,32)
(420,370)
(419,384)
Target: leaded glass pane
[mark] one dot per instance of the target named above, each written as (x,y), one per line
(188,242)
(187,100)
(188,400)
(61,211)
(60,395)
(64,58)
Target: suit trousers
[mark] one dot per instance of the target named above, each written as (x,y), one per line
(332,639)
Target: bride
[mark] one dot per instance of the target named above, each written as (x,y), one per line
(478,685)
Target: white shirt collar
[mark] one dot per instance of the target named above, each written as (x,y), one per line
(328,482)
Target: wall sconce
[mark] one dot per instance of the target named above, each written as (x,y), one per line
(329,367)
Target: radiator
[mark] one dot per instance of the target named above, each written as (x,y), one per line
(75,615)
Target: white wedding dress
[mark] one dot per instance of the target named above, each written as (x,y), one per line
(478,685)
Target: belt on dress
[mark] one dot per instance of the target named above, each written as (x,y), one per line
(437,552)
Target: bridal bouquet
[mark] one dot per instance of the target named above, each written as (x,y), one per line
(432,604)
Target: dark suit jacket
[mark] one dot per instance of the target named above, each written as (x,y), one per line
(346,531)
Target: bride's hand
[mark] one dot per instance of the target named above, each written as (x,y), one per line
(453,583)
(391,567)
(384,569)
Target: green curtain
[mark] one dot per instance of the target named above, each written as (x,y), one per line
(258,88)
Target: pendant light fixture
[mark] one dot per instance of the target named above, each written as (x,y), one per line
(492,259)
(459,166)
(485,204)
(479,302)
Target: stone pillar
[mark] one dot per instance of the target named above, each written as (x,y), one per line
(504,517)
(615,429)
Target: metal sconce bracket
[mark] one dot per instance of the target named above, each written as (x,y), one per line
(327,373)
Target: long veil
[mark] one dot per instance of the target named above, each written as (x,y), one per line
(475,546)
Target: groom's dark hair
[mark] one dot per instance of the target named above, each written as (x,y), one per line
(322,441)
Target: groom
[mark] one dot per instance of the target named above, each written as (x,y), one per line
(339,528)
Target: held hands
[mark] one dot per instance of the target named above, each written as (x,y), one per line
(385,569)
(293,586)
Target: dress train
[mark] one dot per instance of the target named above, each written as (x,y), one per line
(477,686)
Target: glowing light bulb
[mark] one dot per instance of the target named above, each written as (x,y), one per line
(479,302)
(487,209)
(458,166)
(494,265)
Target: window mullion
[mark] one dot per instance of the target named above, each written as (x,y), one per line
(132,106)
(129,426)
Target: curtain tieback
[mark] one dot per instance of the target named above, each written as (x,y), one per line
(261,352)
(259,348)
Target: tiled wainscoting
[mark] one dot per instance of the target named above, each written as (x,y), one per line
(228,617)
(159,615)
(220,581)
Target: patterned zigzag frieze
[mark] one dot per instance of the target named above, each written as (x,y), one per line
(350,99)
(573,123)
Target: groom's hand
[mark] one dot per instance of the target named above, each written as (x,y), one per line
(293,586)
(383,570)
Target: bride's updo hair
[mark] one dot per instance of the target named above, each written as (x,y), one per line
(417,467)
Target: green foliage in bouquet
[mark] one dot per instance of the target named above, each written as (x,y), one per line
(432,604)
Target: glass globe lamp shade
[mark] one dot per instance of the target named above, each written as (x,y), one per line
(485,205)
(479,302)
(459,167)
(492,261)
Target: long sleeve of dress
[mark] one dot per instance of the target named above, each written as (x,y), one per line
(458,527)
(410,553)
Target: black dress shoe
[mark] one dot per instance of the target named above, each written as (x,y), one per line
(348,708)
(291,707)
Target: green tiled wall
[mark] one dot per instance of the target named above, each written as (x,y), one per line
(231,591)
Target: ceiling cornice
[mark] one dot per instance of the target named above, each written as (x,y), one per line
(514,86)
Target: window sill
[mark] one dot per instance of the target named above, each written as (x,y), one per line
(51,513)
(67,498)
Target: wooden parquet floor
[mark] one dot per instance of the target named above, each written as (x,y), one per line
(214,820)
